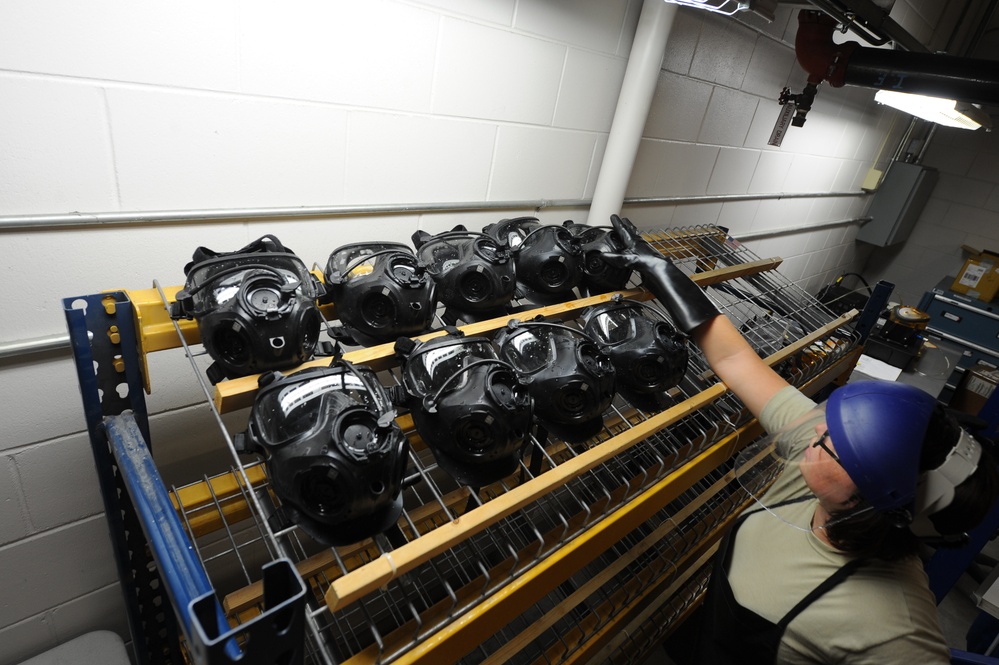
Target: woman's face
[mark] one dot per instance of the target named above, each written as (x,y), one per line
(824,475)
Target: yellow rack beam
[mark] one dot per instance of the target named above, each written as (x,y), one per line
(459,637)
(591,586)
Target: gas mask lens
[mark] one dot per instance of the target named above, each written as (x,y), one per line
(335,456)
(570,379)
(614,326)
(438,368)
(295,408)
(799,460)
(380,293)
(255,308)
(468,405)
(649,354)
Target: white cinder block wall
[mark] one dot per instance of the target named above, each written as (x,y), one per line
(116,106)
(963,210)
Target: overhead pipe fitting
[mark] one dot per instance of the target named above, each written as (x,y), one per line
(849,63)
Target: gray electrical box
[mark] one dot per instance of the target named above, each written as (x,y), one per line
(898,203)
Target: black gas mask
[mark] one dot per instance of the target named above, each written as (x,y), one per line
(467,405)
(335,456)
(598,275)
(380,293)
(549,259)
(570,379)
(475,276)
(649,354)
(255,307)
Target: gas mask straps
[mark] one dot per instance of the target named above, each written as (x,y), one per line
(380,293)
(475,276)
(598,275)
(255,308)
(570,379)
(549,258)
(467,405)
(335,456)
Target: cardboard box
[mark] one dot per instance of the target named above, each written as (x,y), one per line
(976,387)
(979,277)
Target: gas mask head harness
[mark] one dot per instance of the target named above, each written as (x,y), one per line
(475,276)
(598,275)
(571,380)
(335,456)
(380,293)
(649,354)
(255,308)
(549,258)
(467,405)
(873,433)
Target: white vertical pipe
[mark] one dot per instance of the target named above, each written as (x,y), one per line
(633,104)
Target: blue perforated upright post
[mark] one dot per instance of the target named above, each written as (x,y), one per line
(103,340)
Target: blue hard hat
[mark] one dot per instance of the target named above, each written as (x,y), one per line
(877,428)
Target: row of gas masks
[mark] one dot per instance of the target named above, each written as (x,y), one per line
(337,459)
(477,275)
(257,308)
(383,291)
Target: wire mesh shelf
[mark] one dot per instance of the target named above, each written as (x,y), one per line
(547,564)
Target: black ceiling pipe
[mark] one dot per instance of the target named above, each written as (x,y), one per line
(849,63)
(935,75)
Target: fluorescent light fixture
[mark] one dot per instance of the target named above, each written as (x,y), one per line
(765,8)
(936,109)
(726,7)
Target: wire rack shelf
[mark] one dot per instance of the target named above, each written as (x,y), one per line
(587,551)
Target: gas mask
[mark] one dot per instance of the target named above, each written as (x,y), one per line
(549,259)
(598,275)
(649,354)
(335,456)
(475,277)
(380,293)
(570,379)
(255,307)
(467,404)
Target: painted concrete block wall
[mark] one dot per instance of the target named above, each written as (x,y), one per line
(124,106)
(963,210)
(964,206)
(708,134)
(130,106)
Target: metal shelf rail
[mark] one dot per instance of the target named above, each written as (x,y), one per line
(547,565)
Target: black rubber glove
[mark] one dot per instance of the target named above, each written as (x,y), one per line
(685,300)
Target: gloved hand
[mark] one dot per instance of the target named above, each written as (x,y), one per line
(685,300)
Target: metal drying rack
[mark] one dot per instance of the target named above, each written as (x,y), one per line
(587,553)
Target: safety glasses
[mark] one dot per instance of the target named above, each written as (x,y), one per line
(821,443)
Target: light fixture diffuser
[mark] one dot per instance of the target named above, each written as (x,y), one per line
(765,8)
(936,109)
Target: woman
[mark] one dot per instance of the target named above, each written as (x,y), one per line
(836,577)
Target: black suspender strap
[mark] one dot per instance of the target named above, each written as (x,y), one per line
(847,569)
